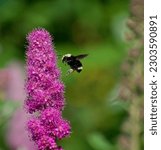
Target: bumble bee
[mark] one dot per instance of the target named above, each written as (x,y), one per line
(73,62)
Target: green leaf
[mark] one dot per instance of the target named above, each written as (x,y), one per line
(99,142)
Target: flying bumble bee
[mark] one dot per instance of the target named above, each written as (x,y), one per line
(73,62)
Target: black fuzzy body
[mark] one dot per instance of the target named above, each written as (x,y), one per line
(74,61)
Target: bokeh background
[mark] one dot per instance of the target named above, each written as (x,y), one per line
(104,103)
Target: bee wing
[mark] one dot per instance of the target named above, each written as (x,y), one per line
(81,56)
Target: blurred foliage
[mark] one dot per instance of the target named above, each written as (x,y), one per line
(96,27)
(7,108)
(132,82)
(76,23)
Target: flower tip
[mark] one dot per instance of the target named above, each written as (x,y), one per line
(38,34)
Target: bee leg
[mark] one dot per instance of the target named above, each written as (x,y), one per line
(69,71)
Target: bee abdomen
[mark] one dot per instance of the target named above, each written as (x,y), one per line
(79,69)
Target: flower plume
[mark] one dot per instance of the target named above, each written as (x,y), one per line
(45,92)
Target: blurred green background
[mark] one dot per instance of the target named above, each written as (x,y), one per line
(95,27)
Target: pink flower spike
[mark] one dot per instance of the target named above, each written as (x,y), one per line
(45,92)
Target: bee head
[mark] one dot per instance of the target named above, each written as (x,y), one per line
(65,57)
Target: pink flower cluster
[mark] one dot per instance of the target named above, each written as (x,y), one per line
(45,92)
